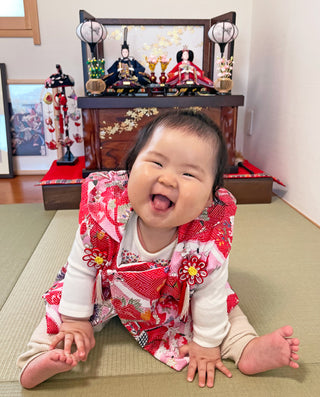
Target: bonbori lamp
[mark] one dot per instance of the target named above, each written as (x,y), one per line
(91,32)
(223,33)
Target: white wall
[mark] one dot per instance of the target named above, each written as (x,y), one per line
(283,89)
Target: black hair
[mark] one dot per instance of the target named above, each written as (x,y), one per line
(191,121)
(179,55)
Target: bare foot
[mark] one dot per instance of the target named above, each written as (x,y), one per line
(45,366)
(270,351)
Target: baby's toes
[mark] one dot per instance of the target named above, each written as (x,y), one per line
(294,342)
(293,364)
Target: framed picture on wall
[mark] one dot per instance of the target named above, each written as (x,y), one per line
(6,168)
(27,124)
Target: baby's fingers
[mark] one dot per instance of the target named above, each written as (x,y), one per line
(57,339)
(203,374)
(192,369)
(183,351)
(81,347)
(84,344)
(223,369)
(68,340)
(210,375)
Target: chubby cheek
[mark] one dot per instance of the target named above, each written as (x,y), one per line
(197,201)
(133,191)
(137,184)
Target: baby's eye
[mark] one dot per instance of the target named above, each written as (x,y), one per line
(189,175)
(157,163)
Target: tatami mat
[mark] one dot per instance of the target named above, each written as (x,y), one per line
(274,269)
(22,226)
(23,308)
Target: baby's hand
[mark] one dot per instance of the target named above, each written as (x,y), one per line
(205,360)
(79,332)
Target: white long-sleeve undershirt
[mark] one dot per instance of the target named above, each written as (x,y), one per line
(76,299)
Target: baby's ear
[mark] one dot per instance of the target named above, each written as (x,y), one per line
(210,199)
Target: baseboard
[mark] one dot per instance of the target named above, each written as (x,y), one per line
(30,172)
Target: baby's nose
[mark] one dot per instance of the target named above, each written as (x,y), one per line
(168,179)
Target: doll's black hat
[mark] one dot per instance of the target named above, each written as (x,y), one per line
(125,36)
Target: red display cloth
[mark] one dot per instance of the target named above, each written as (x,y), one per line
(64,174)
(257,173)
(71,174)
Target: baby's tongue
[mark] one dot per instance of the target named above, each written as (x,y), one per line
(161,202)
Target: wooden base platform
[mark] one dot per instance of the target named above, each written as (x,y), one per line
(246,191)
(250,190)
(61,197)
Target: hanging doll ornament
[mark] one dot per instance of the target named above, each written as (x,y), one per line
(64,120)
(58,102)
(48,100)
(76,117)
(73,95)
(49,123)
(59,82)
(52,145)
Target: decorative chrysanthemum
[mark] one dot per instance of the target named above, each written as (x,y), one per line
(193,271)
(95,258)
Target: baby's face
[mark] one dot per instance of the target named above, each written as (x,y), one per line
(171,181)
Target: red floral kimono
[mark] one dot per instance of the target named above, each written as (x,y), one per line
(151,299)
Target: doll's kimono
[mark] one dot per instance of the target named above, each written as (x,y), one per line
(126,71)
(186,72)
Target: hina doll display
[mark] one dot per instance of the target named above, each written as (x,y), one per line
(126,71)
(186,72)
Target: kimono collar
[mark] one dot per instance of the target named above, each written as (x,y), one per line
(105,197)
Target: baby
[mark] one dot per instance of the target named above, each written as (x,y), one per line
(152,248)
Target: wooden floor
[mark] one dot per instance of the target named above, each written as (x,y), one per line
(21,189)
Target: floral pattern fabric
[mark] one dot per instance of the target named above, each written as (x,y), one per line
(146,295)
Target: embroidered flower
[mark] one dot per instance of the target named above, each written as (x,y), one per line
(193,271)
(100,234)
(95,258)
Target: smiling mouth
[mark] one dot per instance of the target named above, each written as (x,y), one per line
(160,202)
